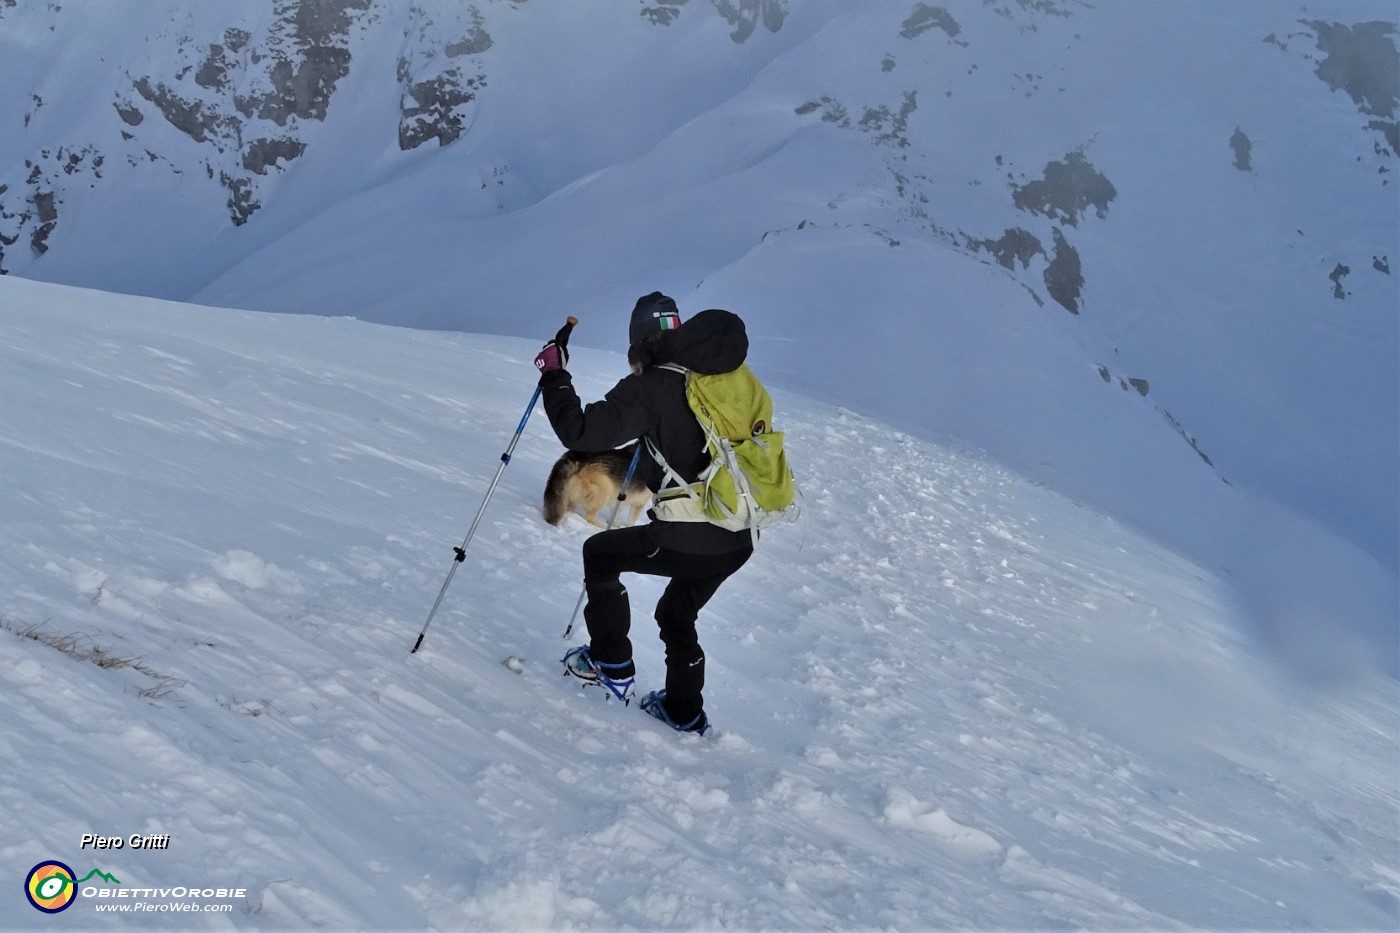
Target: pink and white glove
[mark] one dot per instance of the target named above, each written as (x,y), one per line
(552,357)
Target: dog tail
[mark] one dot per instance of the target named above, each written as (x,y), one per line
(555,503)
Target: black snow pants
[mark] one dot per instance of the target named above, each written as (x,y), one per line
(694,579)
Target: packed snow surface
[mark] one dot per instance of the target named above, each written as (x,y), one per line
(948,697)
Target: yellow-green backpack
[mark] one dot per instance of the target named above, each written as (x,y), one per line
(748,483)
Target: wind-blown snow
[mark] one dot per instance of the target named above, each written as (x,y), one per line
(949,697)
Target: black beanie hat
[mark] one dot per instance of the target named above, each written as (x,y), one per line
(653,312)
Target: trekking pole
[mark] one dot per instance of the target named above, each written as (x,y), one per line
(612,520)
(561,339)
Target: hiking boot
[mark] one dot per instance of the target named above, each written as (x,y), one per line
(654,705)
(616,677)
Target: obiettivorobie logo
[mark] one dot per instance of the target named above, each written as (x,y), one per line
(52,886)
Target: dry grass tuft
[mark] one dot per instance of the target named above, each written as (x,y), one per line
(83,648)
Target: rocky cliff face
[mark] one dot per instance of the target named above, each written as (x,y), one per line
(251,98)
(255,101)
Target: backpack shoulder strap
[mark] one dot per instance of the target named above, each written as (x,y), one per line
(670,478)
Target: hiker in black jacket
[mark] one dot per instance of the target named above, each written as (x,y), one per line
(697,556)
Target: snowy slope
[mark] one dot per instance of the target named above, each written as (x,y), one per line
(1115,245)
(948,698)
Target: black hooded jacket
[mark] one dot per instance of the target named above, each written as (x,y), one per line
(651,405)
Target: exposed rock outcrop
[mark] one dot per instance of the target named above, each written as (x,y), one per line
(1243,148)
(927,17)
(1067,191)
(33,211)
(1363,61)
(1064,278)
(744,16)
(1015,245)
(439,85)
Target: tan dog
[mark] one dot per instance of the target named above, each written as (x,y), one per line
(591,482)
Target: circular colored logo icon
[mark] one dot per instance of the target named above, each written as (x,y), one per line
(50,886)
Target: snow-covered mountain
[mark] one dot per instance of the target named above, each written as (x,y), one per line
(948,698)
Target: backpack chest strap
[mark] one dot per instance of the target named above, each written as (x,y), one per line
(672,483)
